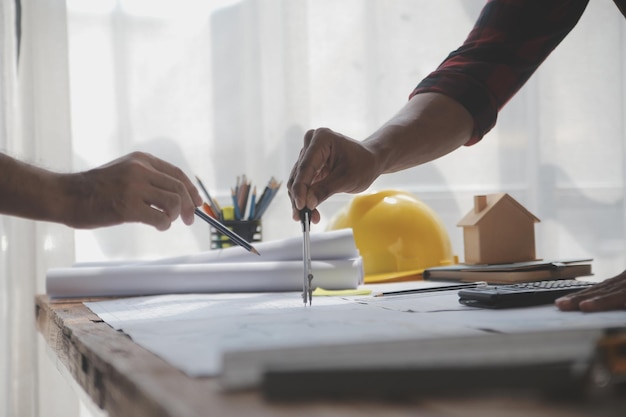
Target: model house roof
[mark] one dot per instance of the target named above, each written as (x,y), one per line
(485,204)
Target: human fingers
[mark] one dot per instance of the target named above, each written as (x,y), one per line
(612,301)
(139,187)
(295,212)
(141,194)
(571,301)
(350,168)
(174,180)
(315,215)
(304,173)
(600,296)
(175,172)
(151,215)
(170,196)
(331,163)
(117,194)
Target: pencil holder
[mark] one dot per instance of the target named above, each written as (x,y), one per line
(250,230)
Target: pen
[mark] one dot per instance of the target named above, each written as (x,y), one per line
(307,292)
(226,231)
(433,289)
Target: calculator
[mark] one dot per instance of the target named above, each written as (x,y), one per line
(521,294)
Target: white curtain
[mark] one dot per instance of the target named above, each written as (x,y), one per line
(9,338)
(36,129)
(225,88)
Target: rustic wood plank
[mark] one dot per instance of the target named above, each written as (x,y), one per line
(126,380)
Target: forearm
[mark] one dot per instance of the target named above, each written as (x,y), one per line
(137,187)
(429,126)
(32,192)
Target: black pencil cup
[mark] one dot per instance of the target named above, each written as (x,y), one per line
(250,230)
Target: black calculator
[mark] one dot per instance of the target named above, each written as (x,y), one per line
(521,294)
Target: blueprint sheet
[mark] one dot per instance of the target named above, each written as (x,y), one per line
(192,331)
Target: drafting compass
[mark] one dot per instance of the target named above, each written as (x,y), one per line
(307,292)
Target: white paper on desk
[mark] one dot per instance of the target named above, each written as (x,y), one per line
(444,333)
(193,332)
(336,244)
(133,280)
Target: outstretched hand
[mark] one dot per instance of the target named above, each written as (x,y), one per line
(137,187)
(329,163)
(606,295)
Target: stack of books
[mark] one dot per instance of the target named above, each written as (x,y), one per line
(511,272)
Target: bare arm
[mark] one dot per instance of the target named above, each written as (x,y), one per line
(429,126)
(135,188)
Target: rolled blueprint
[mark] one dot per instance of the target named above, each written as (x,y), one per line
(149,279)
(336,244)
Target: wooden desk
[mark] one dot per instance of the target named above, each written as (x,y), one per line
(124,379)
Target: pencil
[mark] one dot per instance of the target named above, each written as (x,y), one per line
(233,194)
(226,231)
(216,209)
(244,192)
(252,203)
(262,205)
(208,210)
(433,289)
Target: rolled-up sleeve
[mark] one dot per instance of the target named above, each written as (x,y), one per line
(508,42)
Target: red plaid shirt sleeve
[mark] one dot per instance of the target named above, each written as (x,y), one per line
(508,42)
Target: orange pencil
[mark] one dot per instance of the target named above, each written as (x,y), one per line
(208,210)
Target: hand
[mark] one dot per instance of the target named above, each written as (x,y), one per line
(328,163)
(606,295)
(137,187)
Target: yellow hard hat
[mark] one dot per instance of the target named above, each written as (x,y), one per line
(397,235)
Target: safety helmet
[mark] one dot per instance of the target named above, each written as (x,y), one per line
(397,235)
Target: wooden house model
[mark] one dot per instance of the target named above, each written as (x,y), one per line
(498,230)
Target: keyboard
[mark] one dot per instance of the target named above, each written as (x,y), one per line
(521,294)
